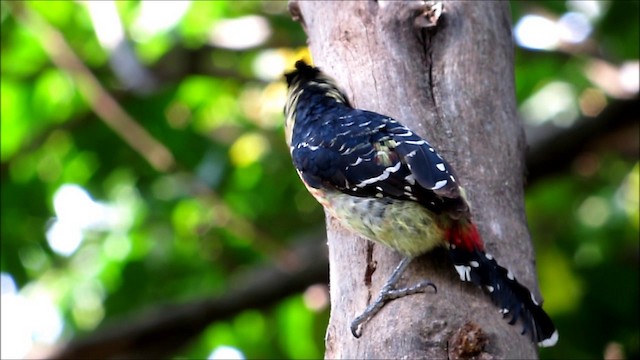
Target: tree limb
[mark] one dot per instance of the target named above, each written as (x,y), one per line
(96,96)
(553,149)
(160,332)
(452,83)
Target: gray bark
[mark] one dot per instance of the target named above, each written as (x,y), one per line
(453,84)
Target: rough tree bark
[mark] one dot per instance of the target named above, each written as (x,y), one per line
(452,83)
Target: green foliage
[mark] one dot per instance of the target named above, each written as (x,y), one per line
(229,199)
(587,255)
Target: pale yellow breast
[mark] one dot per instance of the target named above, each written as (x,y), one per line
(404,226)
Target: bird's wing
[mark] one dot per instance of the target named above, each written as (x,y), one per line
(368,154)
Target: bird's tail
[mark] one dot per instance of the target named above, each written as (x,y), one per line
(514,299)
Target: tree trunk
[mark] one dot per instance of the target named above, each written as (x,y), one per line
(453,84)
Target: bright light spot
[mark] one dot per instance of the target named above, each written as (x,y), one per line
(574,27)
(630,76)
(536,32)
(594,211)
(270,65)
(593,9)
(110,33)
(76,212)
(44,318)
(316,297)
(614,350)
(15,332)
(619,82)
(251,104)
(248,149)
(541,33)
(7,285)
(26,317)
(87,308)
(240,33)
(155,17)
(263,105)
(74,205)
(64,238)
(117,246)
(126,202)
(272,101)
(592,101)
(226,352)
(555,102)
(106,22)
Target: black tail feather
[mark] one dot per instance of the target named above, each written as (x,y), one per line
(514,299)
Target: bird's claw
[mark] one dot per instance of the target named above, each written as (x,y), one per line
(388,293)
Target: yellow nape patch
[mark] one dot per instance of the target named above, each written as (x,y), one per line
(293,56)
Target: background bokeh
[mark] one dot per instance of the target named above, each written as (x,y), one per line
(143,164)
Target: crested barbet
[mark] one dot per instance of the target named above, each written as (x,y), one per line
(385,183)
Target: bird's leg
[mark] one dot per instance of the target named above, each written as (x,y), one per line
(388,293)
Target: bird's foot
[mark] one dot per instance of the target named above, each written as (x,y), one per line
(387,294)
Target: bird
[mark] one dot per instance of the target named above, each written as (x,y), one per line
(387,184)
